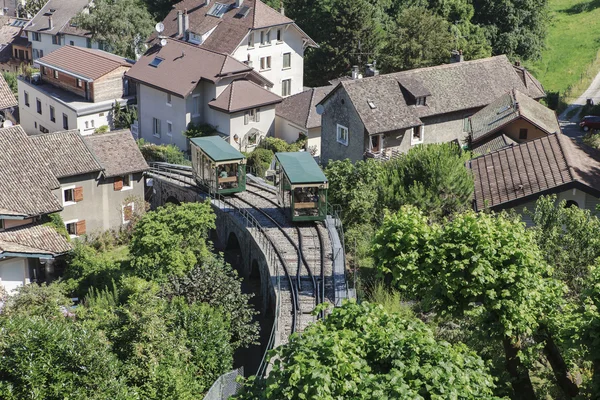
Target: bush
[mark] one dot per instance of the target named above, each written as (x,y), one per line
(123,117)
(259,161)
(198,130)
(279,145)
(11,79)
(161,153)
(101,129)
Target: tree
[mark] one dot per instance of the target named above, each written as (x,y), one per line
(32,7)
(432,177)
(363,352)
(171,240)
(123,25)
(485,264)
(38,300)
(56,358)
(418,39)
(11,80)
(123,117)
(514,27)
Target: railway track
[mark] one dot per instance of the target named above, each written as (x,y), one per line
(300,250)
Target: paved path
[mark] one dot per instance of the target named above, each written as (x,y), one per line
(570,126)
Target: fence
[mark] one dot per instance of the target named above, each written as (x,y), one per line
(225,386)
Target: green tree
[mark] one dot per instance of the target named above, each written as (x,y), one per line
(514,27)
(11,79)
(363,352)
(484,264)
(432,177)
(38,300)
(32,7)
(171,240)
(123,117)
(259,161)
(123,25)
(56,358)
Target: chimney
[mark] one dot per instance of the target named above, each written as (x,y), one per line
(238,3)
(517,63)
(371,69)
(179,23)
(457,56)
(207,2)
(281,9)
(355,74)
(186,21)
(50,24)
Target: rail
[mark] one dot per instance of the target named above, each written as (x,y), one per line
(335,211)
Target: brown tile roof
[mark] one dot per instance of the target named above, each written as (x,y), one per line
(548,164)
(300,108)
(25,181)
(454,87)
(88,63)
(66,154)
(117,152)
(243,95)
(507,108)
(9,29)
(33,239)
(184,65)
(230,29)
(7,98)
(491,143)
(64,10)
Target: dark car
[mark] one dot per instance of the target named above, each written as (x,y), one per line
(590,122)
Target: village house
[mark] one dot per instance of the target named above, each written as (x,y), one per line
(296,117)
(383,115)
(101,187)
(516,176)
(15,49)
(27,244)
(512,118)
(53,27)
(247,30)
(76,89)
(179,84)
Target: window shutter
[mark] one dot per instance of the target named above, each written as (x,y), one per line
(80,228)
(78,195)
(258,115)
(127,213)
(246,117)
(118,183)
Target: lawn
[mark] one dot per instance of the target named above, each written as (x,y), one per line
(571,46)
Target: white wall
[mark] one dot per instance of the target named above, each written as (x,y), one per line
(237,126)
(13,273)
(291,43)
(286,130)
(94,121)
(46,42)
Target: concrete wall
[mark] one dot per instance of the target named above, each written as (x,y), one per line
(101,207)
(343,114)
(291,43)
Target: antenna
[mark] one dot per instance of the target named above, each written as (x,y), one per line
(160,27)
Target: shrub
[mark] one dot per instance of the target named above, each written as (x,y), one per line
(279,145)
(161,153)
(259,161)
(198,130)
(101,129)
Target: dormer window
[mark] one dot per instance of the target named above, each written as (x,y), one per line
(414,90)
(218,10)
(420,101)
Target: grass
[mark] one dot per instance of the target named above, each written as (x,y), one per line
(570,60)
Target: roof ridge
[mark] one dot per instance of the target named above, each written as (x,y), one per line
(230,95)
(312,96)
(565,154)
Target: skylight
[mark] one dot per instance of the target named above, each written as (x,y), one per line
(243,12)
(155,62)
(371,104)
(218,9)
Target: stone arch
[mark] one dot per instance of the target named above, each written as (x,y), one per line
(173,200)
(255,272)
(233,254)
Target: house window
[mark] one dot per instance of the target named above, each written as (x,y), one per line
(252,115)
(127,182)
(41,53)
(36,54)
(286,87)
(72,195)
(571,203)
(52,116)
(55,39)
(75,227)
(26,95)
(420,101)
(169,128)
(55,74)
(127,211)
(279,35)
(156,127)
(93,124)
(467,124)
(523,134)
(88,43)
(265,63)
(65,121)
(265,38)
(38,104)
(79,83)
(196,105)
(417,136)
(168,99)
(287,60)
(72,43)
(44,70)
(342,134)
(43,129)
(251,40)
(35,37)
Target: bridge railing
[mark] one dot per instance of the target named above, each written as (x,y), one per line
(335,211)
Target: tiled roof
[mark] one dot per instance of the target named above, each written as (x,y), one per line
(300,108)
(454,87)
(64,10)
(7,98)
(33,239)
(117,152)
(531,168)
(243,95)
(25,180)
(66,154)
(229,30)
(508,108)
(174,73)
(87,63)
(492,143)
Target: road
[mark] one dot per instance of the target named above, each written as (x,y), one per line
(570,126)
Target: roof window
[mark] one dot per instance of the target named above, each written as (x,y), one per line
(243,12)
(371,104)
(218,10)
(156,62)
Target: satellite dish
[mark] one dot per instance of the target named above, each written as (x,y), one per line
(159,27)
(163,42)
(320,109)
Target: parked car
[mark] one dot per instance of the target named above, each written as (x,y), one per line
(590,122)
